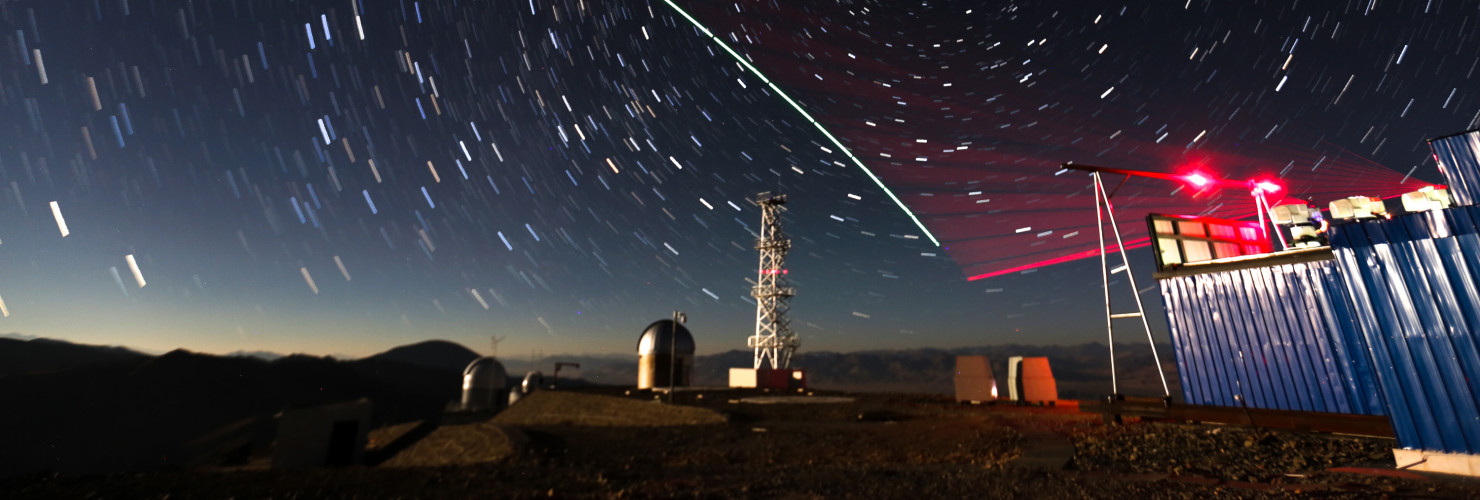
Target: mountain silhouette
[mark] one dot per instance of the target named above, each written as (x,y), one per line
(43,355)
(112,410)
(433,354)
(262,355)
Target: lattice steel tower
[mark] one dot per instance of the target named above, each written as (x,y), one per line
(773,336)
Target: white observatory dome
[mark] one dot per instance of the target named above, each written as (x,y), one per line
(483,379)
(485,372)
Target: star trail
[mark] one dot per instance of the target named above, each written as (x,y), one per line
(343,176)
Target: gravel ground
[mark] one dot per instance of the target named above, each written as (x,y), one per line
(878,446)
(1230,453)
(462,444)
(581,409)
(1233,455)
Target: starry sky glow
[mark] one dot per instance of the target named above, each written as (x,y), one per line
(340,177)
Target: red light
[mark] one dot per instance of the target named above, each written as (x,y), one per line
(1129,245)
(1198,180)
(1267,186)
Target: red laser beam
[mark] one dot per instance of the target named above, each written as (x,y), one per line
(1131,245)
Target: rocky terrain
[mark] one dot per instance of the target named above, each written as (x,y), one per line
(714,444)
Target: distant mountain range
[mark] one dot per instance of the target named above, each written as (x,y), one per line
(23,354)
(1082,370)
(262,355)
(17,336)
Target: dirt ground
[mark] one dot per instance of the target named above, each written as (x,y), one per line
(714,445)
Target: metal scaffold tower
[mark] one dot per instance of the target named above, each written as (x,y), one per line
(773,336)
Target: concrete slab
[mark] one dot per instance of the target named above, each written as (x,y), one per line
(1438,461)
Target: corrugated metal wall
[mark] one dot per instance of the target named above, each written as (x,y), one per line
(1413,284)
(1276,336)
(1457,159)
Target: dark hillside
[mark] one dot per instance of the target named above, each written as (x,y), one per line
(43,355)
(138,414)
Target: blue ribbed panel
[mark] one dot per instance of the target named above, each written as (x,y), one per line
(1277,336)
(1413,286)
(1459,159)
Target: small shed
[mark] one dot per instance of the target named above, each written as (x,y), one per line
(1031,380)
(974,382)
(768,378)
(328,435)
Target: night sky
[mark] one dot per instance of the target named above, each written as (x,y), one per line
(343,177)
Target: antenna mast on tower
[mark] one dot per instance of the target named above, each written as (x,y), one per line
(773,336)
(496,340)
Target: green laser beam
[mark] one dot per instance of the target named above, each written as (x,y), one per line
(847,152)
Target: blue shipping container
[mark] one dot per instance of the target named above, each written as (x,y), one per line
(1273,332)
(1456,155)
(1413,285)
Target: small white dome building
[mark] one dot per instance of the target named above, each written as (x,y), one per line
(485,386)
(659,351)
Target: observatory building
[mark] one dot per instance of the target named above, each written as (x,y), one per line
(666,349)
(1030,380)
(974,382)
(485,386)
